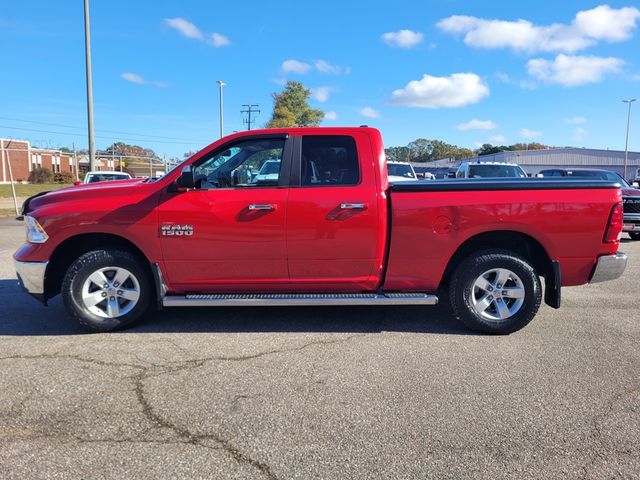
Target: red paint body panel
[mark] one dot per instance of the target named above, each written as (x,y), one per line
(308,242)
(569,224)
(230,244)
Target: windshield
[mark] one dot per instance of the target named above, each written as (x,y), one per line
(602,175)
(104,177)
(400,170)
(496,171)
(270,168)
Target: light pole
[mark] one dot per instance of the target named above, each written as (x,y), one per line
(220,85)
(626,142)
(87,53)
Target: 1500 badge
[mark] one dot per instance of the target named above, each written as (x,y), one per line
(176,230)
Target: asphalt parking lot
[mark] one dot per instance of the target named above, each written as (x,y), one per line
(333,393)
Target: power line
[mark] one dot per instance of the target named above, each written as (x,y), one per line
(101,130)
(100,136)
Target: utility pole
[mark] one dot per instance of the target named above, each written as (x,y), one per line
(113,156)
(13,186)
(75,162)
(249,111)
(164,157)
(220,85)
(626,142)
(87,53)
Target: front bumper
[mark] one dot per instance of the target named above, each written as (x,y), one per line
(609,267)
(631,222)
(31,276)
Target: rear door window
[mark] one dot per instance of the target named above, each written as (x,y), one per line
(329,160)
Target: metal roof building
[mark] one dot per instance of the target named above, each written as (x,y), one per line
(532,161)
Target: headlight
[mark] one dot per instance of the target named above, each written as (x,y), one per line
(35,232)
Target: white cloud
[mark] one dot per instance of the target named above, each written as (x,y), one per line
(294,66)
(189,30)
(476,124)
(218,40)
(456,90)
(570,70)
(322,66)
(135,78)
(325,67)
(526,133)
(185,27)
(330,115)
(403,38)
(578,134)
(575,120)
(601,23)
(321,94)
(498,139)
(369,112)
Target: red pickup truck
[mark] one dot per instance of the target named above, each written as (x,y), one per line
(306,216)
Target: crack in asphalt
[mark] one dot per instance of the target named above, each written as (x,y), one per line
(597,434)
(148,370)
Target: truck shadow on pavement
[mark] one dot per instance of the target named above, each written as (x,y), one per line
(23,315)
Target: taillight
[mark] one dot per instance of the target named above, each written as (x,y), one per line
(614,227)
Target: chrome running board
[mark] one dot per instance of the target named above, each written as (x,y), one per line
(296,299)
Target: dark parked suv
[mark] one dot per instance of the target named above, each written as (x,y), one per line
(630,195)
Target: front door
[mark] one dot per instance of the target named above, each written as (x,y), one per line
(228,234)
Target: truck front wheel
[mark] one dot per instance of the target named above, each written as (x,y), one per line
(495,291)
(106,289)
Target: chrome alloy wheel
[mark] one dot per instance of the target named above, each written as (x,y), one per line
(110,292)
(497,294)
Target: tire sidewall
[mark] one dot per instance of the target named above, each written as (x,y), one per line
(87,264)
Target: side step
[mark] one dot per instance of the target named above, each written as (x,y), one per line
(297,299)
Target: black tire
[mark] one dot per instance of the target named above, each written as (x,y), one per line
(81,269)
(472,268)
(634,235)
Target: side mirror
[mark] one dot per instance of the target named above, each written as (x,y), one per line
(451,175)
(420,175)
(77,182)
(186,181)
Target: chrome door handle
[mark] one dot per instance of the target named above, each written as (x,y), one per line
(353,206)
(262,206)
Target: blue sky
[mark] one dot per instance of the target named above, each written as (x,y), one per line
(464,72)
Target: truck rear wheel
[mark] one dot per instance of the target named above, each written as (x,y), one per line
(104,290)
(495,291)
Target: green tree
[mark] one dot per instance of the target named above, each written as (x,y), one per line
(291,109)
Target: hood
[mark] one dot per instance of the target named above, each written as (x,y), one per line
(396,178)
(83,191)
(631,192)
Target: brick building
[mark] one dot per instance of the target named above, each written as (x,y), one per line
(25,158)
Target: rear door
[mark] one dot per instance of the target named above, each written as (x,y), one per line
(333,232)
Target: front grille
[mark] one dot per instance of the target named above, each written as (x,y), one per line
(631,205)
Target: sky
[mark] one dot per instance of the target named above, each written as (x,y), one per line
(467,72)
